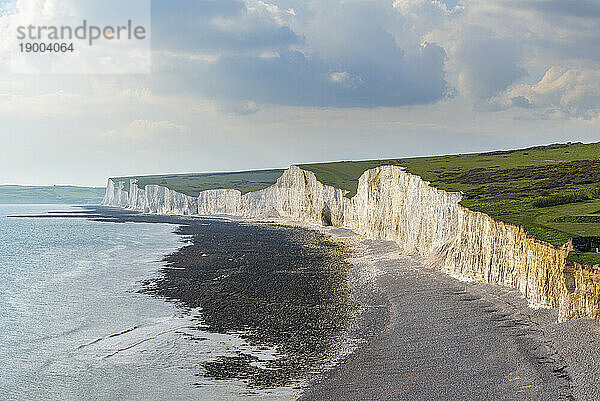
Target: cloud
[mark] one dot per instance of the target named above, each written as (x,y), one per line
(42,20)
(562,8)
(488,66)
(146,130)
(573,92)
(498,50)
(555,29)
(245,54)
(293,78)
(327,54)
(521,101)
(220,26)
(321,54)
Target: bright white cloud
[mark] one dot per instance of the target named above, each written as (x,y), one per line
(573,92)
(497,49)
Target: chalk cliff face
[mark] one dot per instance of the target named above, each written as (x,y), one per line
(391,204)
(297,195)
(394,205)
(115,195)
(220,201)
(161,200)
(496,252)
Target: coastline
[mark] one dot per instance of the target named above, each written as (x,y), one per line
(523,351)
(559,356)
(312,321)
(392,204)
(70,301)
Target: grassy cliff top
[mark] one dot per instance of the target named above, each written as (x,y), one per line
(439,169)
(193,184)
(50,194)
(553,191)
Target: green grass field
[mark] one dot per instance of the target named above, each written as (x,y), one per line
(54,194)
(552,191)
(193,184)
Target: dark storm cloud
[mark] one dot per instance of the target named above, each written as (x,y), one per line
(488,65)
(294,79)
(192,25)
(261,60)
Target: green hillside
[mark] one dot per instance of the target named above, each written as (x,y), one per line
(53,195)
(193,184)
(553,191)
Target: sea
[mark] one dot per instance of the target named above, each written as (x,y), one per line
(75,325)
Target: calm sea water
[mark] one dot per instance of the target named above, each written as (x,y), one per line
(73,325)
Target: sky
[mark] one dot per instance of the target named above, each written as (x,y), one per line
(249,84)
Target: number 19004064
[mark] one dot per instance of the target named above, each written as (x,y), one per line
(46,47)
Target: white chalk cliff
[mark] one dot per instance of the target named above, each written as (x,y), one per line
(392,204)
